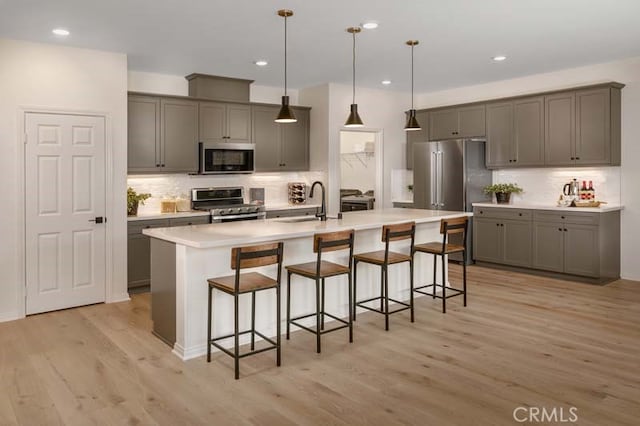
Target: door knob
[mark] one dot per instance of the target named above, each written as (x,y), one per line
(98,219)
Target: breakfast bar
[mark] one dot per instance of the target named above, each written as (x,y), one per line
(182,258)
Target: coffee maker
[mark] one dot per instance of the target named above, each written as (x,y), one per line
(571,191)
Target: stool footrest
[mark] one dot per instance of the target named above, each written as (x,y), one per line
(404,307)
(457,292)
(214,343)
(311,330)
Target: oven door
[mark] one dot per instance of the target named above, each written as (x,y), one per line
(227,158)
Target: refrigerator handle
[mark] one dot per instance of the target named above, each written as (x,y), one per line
(440,178)
(434,180)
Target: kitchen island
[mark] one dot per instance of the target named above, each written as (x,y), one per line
(182,258)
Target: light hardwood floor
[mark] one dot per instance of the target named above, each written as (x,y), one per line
(522,341)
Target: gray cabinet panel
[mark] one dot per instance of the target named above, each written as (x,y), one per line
(212,122)
(548,246)
(185,221)
(294,148)
(499,134)
(266,136)
(487,240)
(517,242)
(528,128)
(238,123)
(138,251)
(559,141)
(143,144)
(443,124)
(292,212)
(179,135)
(471,121)
(581,255)
(414,136)
(593,127)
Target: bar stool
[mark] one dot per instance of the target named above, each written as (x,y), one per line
(384,258)
(318,271)
(457,225)
(241,283)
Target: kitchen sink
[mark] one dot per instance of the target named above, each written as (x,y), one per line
(298,219)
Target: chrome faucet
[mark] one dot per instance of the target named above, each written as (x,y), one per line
(322,214)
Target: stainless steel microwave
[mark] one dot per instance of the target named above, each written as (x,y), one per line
(225,158)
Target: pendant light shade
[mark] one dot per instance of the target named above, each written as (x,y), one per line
(354,119)
(412,122)
(285,115)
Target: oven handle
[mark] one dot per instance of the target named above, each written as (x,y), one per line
(259,215)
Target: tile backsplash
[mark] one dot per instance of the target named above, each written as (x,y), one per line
(543,186)
(175,185)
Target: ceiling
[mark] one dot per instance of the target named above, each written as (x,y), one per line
(457,38)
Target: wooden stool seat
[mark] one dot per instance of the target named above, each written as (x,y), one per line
(377,257)
(384,258)
(436,248)
(309,269)
(318,271)
(250,281)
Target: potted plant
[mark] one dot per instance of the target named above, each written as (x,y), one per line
(503,191)
(133,199)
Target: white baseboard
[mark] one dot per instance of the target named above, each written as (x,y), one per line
(115,298)
(10,316)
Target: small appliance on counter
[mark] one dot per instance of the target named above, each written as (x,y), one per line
(571,191)
(297,193)
(256,196)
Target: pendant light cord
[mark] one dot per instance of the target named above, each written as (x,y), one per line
(285,55)
(412,76)
(354,68)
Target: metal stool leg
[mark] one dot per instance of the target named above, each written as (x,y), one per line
(253,320)
(209,326)
(464,276)
(386,297)
(411,288)
(351,316)
(288,301)
(444,287)
(355,275)
(318,315)
(322,307)
(278,325)
(382,288)
(236,336)
(435,267)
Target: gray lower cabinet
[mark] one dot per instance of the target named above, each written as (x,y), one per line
(576,243)
(415,136)
(224,122)
(138,248)
(280,147)
(292,212)
(455,123)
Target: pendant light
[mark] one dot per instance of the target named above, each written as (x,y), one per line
(285,115)
(412,122)
(354,119)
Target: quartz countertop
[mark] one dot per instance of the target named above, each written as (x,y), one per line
(602,209)
(255,231)
(151,216)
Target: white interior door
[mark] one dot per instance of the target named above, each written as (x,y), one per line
(64,194)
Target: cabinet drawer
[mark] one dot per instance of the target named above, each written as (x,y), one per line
(567,217)
(504,213)
(193,220)
(137,226)
(271,214)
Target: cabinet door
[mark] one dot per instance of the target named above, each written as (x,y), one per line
(179,135)
(186,221)
(266,136)
(238,123)
(294,146)
(138,260)
(499,134)
(212,122)
(593,127)
(471,122)
(559,138)
(528,127)
(414,136)
(443,124)
(487,240)
(143,136)
(548,243)
(581,255)
(517,242)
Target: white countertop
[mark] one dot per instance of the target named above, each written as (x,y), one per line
(602,209)
(255,231)
(167,215)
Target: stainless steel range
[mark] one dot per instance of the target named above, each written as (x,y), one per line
(226,204)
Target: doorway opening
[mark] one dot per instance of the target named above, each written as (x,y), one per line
(360,170)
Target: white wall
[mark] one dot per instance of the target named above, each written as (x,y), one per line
(357,168)
(69,79)
(627,72)
(165,84)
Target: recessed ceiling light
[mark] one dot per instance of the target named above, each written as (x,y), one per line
(261,63)
(499,58)
(60,32)
(370,25)
(386,82)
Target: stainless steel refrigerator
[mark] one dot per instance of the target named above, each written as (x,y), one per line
(450,175)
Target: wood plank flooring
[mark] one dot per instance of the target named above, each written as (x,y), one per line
(522,341)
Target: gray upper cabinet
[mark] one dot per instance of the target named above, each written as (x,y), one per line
(515,133)
(560,135)
(224,122)
(280,147)
(454,123)
(143,134)
(179,135)
(593,127)
(414,136)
